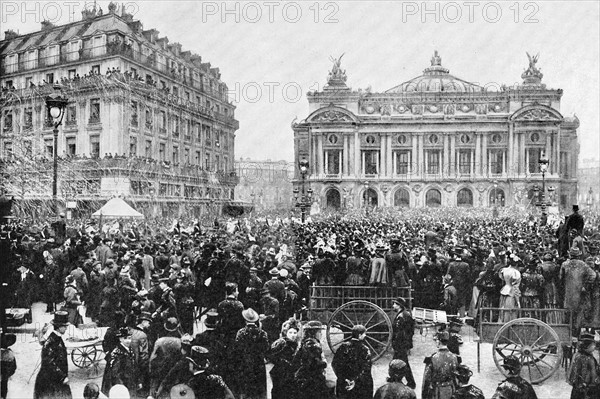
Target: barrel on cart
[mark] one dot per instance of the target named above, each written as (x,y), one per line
(343,307)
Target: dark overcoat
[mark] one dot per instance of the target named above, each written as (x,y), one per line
(53,371)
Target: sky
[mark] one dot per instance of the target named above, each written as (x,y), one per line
(270,53)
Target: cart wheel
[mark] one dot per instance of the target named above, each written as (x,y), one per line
(375,320)
(534,342)
(96,369)
(83,357)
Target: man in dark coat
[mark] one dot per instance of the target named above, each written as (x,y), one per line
(575,220)
(251,346)
(514,386)
(166,353)
(395,389)
(461,276)
(583,374)
(8,362)
(352,366)
(52,381)
(402,339)
(438,380)
(230,311)
(211,339)
(141,352)
(204,383)
(465,390)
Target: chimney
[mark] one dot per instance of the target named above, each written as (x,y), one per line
(47,25)
(136,26)
(151,35)
(10,34)
(163,42)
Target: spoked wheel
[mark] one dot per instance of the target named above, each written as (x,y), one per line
(84,357)
(96,369)
(371,316)
(534,343)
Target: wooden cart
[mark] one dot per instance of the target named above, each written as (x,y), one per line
(535,336)
(343,307)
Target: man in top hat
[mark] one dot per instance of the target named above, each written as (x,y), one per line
(212,340)
(438,380)
(141,352)
(514,386)
(395,389)
(464,390)
(460,272)
(403,328)
(575,220)
(578,279)
(8,362)
(53,379)
(583,374)
(251,347)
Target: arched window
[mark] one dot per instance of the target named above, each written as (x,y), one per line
(370,198)
(464,197)
(497,197)
(433,198)
(402,198)
(333,199)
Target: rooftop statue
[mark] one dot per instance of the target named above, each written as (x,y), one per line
(337,76)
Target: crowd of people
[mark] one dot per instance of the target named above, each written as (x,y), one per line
(249,283)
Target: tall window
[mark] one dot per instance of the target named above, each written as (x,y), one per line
(402,162)
(533,159)
(148,118)
(148,149)
(175,154)
(464,162)
(134,113)
(370,162)
(132,146)
(207,161)
(464,197)
(71,147)
(95,147)
(402,198)
(28,118)
(433,161)
(8,121)
(163,121)
(50,78)
(433,198)
(52,57)
(95,110)
(71,115)
(496,161)
(332,162)
(162,152)
(176,126)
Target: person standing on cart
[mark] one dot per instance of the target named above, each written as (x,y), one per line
(403,328)
(514,386)
(584,372)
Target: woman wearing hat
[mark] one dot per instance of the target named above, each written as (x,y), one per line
(72,301)
(310,381)
(510,293)
(464,390)
(584,374)
(53,379)
(514,386)
(282,355)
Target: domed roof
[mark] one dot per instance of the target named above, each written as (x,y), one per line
(436,78)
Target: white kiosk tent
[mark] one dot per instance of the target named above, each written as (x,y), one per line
(116,208)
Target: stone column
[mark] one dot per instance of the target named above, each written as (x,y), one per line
(452,155)
(521,154)
(558,151)
(414,165)
(478,161)
(320,154)
(511,159)
(382,169)
(390,168)
(421,164)
(484,154)
(345,154)
(445,161)
(357,158)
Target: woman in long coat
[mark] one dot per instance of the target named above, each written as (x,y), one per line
(282,355)
(52,381)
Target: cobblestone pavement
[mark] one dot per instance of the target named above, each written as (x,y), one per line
(28,351)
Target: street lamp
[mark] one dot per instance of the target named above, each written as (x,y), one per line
(495,211)
(305,201)
(56,105)
(590,199)
(543,168)
(551,190)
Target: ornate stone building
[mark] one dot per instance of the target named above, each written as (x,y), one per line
(146,119)
(436,140)
(267,184)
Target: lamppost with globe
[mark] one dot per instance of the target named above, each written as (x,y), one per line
(56,104)
(305,200)
(543,162)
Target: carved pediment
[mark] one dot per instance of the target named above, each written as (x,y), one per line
(332,116)
(537,113)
